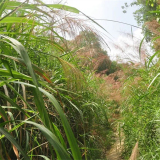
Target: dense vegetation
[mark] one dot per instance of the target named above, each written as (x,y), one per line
(140,111)
(49,105)
(53,105)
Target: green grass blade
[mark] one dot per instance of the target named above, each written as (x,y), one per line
(141,47)
(58,134)
(38,70)
(18,20)
(153,80)
(64,7)
(2,95)
(17,75)
(3,114)
(7,66)
(151,58)
(70,136)
(37,94)
(12,140)
(52,139)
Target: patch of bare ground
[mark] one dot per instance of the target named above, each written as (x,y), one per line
(115,152)
(113,83)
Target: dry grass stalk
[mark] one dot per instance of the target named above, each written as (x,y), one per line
(154,27)
(135,153)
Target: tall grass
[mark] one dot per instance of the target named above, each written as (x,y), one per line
(48,109)
(141,110)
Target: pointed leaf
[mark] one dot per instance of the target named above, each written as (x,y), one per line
(12,140)
(52,139)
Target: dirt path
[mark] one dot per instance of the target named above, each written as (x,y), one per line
(115,152)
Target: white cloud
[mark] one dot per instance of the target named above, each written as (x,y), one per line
(90,7)
(126,47)
(138,33)
(109,9)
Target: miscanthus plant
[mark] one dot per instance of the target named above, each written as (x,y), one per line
(141,112)
(48,108)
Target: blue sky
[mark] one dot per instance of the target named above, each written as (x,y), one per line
(107,9)
(112,10)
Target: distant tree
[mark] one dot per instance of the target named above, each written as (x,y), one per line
(143,14)
(147,17)
(90,40)
(92,54)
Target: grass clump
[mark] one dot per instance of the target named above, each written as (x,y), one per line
(141,113)
(49,108)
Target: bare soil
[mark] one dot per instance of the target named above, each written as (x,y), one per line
(116,150)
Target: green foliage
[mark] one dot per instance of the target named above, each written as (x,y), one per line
(114,67)
(88,39)
(148,11)
(142,15)
(48,107)
(141,112)
(91,53)
(141,108)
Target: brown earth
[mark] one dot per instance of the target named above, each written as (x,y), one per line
(115,152)
(113,84)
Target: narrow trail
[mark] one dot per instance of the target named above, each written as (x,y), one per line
(114,82)
(114,153)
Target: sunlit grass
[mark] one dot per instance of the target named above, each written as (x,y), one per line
(49,108)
